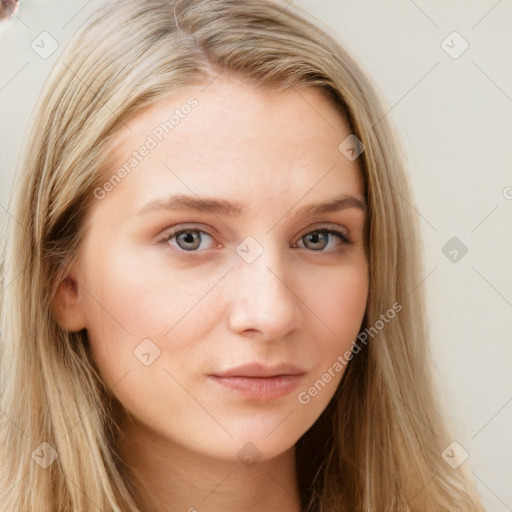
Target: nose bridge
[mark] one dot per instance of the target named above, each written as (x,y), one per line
(263,274)
(261,297)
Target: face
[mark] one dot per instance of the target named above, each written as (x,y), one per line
(209,321)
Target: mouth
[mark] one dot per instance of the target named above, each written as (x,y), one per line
(255,381)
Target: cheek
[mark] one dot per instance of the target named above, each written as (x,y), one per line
(128,302)
(142,297)
(339,305)
(338,314)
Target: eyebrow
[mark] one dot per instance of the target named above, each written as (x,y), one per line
(237,209)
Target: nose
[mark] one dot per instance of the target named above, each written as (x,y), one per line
(263,302)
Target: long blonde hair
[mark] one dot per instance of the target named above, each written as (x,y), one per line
(378,445)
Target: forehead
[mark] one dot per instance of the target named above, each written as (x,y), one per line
(236,111)
(233,137)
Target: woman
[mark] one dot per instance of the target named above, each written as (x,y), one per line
(212,299)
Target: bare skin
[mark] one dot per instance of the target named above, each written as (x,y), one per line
(196,442)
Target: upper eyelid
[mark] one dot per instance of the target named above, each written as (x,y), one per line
(194,227)
(174,231)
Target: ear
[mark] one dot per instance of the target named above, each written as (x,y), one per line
(68,307)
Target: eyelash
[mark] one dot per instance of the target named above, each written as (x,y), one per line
(323,229)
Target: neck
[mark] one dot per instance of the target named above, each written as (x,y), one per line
(172,478)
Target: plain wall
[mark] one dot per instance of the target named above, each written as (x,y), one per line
(454,116)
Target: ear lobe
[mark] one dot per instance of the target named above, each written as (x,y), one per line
(67,306)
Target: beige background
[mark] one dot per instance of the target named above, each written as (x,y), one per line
(454,116)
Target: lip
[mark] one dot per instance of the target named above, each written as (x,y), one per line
(255,381)
(261,370)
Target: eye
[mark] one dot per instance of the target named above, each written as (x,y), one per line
(187,239)
(318,240)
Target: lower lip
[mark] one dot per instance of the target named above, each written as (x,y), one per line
(261,388)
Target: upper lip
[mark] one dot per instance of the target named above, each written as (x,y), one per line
(261,370)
